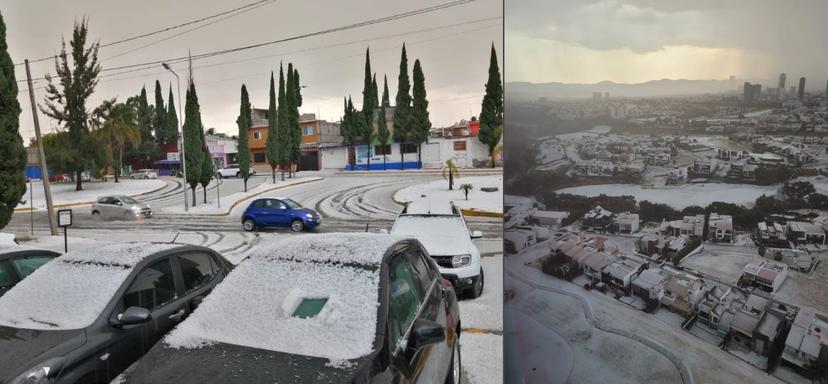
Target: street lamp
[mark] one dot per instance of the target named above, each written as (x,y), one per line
(183,155)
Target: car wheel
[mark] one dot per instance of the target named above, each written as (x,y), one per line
(127,216)
(238,174)
(455,374)
(477,287)
(249,225)
(96,215)
(218,175)
(146,177)
(297,226)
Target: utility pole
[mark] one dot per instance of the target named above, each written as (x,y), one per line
(44,173)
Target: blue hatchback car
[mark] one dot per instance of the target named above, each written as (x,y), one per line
(278,212)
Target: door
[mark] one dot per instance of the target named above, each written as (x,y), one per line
(279,212)
(155,289)
(435,308)
(412,297)
(309,161)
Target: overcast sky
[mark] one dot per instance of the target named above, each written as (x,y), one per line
(586,41)
(453,46)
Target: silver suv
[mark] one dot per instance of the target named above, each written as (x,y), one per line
(120,207)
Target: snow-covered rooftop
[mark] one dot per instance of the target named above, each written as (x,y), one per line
(344,248)
(255,305)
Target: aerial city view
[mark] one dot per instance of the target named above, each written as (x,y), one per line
(666,204)
(251,191)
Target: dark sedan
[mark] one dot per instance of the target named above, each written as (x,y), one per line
(18,261)
(89,314)
(338,308)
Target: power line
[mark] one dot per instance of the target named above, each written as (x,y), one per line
(170,28)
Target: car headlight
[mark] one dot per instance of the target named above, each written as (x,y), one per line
(461,260)
(40,374)
(310,216)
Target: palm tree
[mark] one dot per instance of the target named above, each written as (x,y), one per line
(466,188)
(119,126)
(450,171)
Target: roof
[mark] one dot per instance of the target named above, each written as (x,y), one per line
(596,261)
(123,254)
(769,325)
(551,214)
(801,226)
(357,248)
(649,278)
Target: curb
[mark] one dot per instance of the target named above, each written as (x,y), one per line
(249,197)
(82,203)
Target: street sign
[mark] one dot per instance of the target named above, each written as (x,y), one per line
(65,221)
(64,217)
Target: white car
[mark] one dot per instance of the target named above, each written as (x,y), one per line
(448,240)
(144,174)
(232,170)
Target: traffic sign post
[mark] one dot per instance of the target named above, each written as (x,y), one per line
(65,221)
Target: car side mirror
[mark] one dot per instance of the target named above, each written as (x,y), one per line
(134,315)
(119,203)
(476,234)
(425,332)
(284,208)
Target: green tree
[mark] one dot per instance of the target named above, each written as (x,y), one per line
(13,160)
(243,122)
(383,134)
(297,102)
(66,99)
(172,119)
(402,112)
(118,127)
(272,143)
(369,104)
(420,122)
(385,101)
(159,121)
(282,123)
(294,134)
(491,114)
(193,143)
(346,127)
(208,169)
(148,148)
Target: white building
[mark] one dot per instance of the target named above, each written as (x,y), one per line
(627,222)
(766,275)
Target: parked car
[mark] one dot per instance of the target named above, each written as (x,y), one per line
(447,238)
(279,212)
(59,178)
(120,207)
(338,308)
(144,174)
(19,261)
(89,314)
(232,170)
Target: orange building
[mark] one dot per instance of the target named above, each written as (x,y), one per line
(314,133)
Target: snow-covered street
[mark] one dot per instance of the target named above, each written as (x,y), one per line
(347,203)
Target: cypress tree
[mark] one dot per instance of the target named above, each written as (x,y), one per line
(403,109)
(297,102)
(374,92)
(207,167)
(420,123)
(368,105)
(159,121)
(193,143)
(345,128)
(13,159)
(383,134)
(243,122)
(282,123)
(272,143)
(172,118)
(385,100)
(491,114)
(293,131)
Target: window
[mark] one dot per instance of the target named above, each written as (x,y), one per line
(382,149)
(307,131)
(25,265)
(408,148)
(259,157)
(6,279)
(460,145)
(259,203)
(153,288)
(274,204)
(257,135)
(197,269)
(404,297)
(422,270)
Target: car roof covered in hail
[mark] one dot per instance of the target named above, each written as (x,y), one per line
(122,254)
(344,248)
(9,248)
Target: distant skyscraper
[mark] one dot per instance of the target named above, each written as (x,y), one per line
(780,90)
(792,92)
(801,91)
(751,92)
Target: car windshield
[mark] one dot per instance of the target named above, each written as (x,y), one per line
(61,295)
(292,204)
(28,264)
(128,200)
